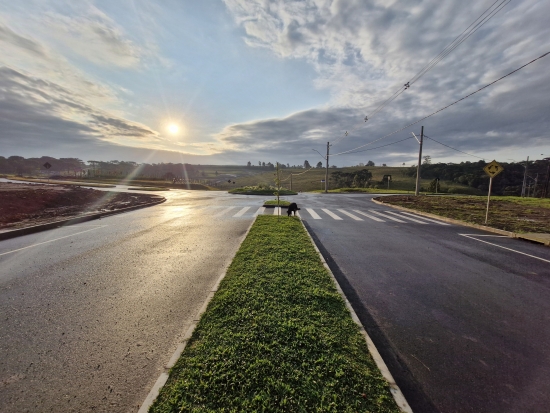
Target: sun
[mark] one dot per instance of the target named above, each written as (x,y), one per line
(173,128)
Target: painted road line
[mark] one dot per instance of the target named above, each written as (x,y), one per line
(368,216)
(241,212)
(387,217)
(350,215)
(260,211)
(314,214)
(504,248)
(52,240)
(333,215)
(219,214)
(277,211)
(426,219)
(410,219)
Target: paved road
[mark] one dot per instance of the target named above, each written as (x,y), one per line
(462,322)
(89,314)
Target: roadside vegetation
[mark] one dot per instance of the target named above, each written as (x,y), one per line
(61,182)
(508,213)
(276,337)
(260,190)
(274,202)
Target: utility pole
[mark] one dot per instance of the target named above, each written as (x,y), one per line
(291,181)
(326,172)
(419,161)
(524,179)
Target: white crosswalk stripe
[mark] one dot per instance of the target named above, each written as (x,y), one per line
(331,214)
(219,214)
(387,217)
(355,217)
(426,219)
(259,211)
(314,214)
(241,212)
(277,211)
(410,219)
(369,216)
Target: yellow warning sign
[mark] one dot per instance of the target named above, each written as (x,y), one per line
(493,169)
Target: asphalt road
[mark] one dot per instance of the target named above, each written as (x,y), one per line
(462,322)
(90,314)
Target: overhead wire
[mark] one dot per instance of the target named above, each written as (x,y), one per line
(445,107)
(388,144)
(454,149)
(461,38)
(291,174)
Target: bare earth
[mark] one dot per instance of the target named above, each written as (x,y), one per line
(22,205)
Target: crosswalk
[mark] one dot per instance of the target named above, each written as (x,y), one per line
(337,214)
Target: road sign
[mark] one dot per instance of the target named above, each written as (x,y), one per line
(47,165)
(493,169)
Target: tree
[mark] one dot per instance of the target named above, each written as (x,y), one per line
(427,160)
(434,186)
(263,163)
(249,164)
(319,164)
(383,164)
(370,163)
(306,164)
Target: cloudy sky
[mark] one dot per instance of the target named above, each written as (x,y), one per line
(260,80)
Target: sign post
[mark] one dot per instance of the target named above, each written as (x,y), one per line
(492,169)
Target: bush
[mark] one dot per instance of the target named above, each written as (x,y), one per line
(464,191)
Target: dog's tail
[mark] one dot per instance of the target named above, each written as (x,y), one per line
(298,209)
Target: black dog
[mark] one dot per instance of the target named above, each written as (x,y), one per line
(292,208)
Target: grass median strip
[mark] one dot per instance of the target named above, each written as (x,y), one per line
(276,337)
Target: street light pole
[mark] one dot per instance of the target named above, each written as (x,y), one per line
(419,161)
(326,172)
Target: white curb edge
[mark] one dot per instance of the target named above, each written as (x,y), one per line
(394,388)
(161,381)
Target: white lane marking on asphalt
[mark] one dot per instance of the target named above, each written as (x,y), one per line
(52,240)
(495,236)
(314,214)
(426,219)
(259,211)
(219,214)
(387,217)
(355,217)
(276,211)
(333,215)
(410,219)
(368,216)
(504,248)
(241,212)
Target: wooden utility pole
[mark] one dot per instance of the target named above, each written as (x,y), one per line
(326,172)
(524,179)
(291,181)
(419,162)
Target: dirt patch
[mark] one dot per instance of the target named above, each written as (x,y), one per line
(506,215)
(23,205)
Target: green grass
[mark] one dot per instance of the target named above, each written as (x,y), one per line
(259,191)
(365,190)
(149,188)
(276,337)
(274,202)
(58,182)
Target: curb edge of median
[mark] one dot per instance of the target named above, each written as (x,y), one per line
(71,221)
(163,378)
(394,388)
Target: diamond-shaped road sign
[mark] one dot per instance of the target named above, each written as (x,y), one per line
(47,165)
(493,169)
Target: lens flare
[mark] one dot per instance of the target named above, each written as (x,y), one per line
(173,128)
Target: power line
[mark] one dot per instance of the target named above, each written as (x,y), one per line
(388,144)
(446,107)
(489,13)
(454,149)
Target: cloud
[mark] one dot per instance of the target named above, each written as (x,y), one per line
(9,36)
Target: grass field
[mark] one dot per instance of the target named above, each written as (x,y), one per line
(276,337)
(508,213)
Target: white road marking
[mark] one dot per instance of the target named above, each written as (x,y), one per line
(350,215)
(368,216)
(410,219)
(314,214)
(241,212)
(426,219)
(259,211)
(219,214)
(500,246)
(52,240)
(495,236)
(333,215)
(387,217)
(277,211)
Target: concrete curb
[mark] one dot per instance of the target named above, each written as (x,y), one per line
(163,378)
(394,388)
(71,221)
(528,237)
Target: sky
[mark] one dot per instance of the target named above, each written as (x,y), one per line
(271,81)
